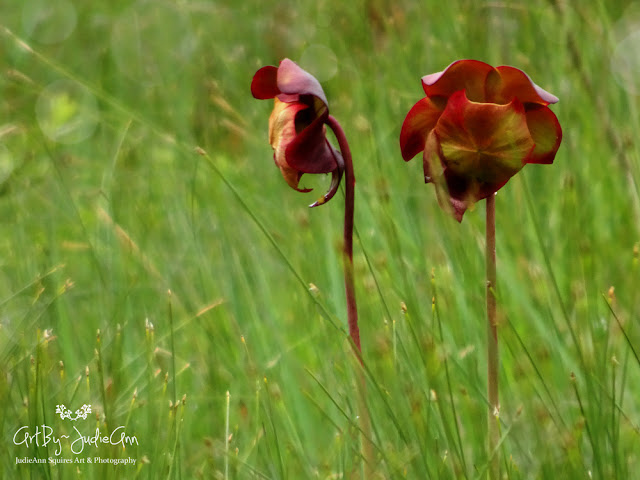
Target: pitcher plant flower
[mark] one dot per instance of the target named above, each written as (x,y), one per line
(476,128)
(297,125)
(297,134)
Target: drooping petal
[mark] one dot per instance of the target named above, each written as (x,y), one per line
(546,133)
(336,176)
(293,80)
(297,131)
(451,201)
(420,120)
(309,151)
(292,178)
(517,84)
(264,83)
(468,75)
(485,142)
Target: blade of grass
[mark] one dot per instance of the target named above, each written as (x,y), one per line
(452,404)
(550,271)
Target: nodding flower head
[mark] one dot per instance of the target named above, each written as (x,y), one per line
(476,128)
(297,131)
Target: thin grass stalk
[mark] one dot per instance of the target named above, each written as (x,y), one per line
(589,429)
(492,341)
(103,391)
(226,437)
(174,391)
(454,414)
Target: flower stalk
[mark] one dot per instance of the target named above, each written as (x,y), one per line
(352,310)
(349,285)
(476,128)
(297,128)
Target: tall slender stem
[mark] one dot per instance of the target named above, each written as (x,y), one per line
(350,182)
(492,341)
(364,419)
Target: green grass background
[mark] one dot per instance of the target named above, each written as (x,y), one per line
(147,280)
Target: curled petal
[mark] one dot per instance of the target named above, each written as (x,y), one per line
(293,80)
(336,177)
(420,120)
(297,143)
(468,75)
(264,83)
(517,84)
(546,133)
(297,131)
(309,151)
(483,83)
(292,177)
(288,82)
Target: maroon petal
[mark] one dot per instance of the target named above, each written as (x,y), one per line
(468,75)
(546,133)
(485,142)
(517,84)
(480,146)
(420,120)
(310,152)
(264,84)
(336,176)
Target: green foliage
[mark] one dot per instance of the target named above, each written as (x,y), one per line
(147,280)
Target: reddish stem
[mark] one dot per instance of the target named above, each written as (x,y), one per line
(350,182)
(352,311)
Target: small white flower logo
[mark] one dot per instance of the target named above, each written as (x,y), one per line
(82,412)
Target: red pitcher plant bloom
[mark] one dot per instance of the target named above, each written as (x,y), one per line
(297,131)
(476,128)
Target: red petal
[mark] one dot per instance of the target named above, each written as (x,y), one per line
(264,84)
(293,80)
(306,150)
(310,151)
(546,132)
(481,146)
(420,120)
(517,84)
(468,75)
(485,142)
(453,201)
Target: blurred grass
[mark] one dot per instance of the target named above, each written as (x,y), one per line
(97,230)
